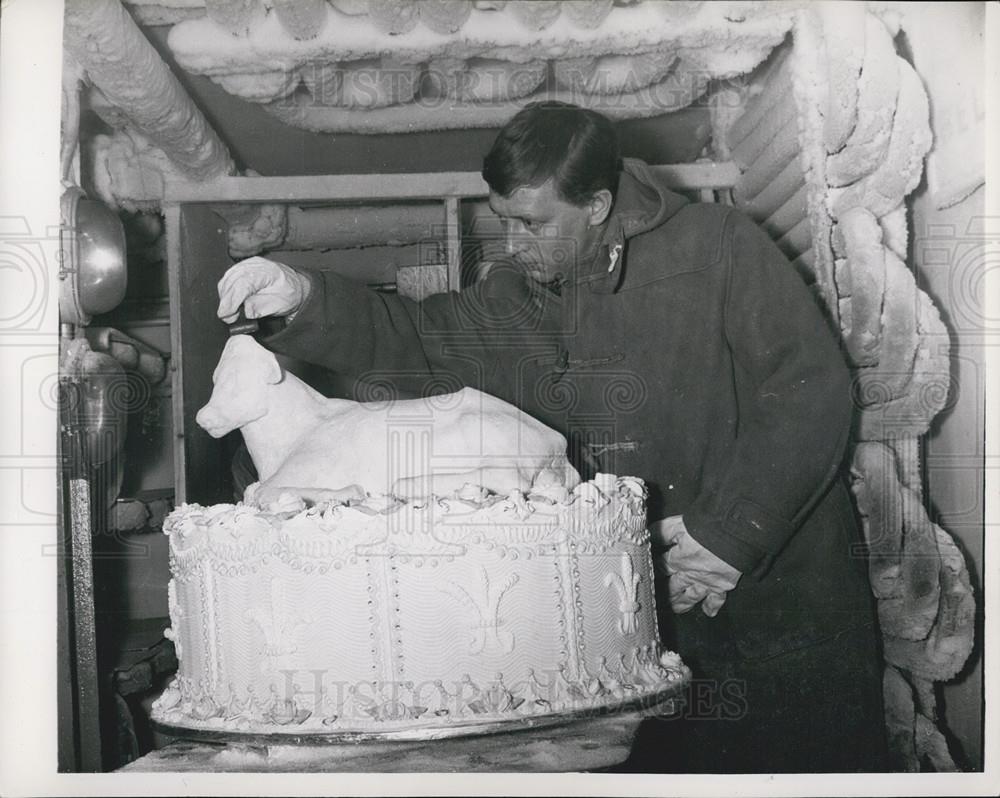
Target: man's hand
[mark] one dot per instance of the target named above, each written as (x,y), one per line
(264,288)
(696,575)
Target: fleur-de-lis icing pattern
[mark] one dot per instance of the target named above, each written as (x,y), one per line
(626,584)
(278,626)
(497,580)
(485,606)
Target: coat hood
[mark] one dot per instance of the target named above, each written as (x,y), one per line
(643,202)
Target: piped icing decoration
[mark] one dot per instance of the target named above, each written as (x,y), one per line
(589,493)
(632,488)
(626,586)
(376,614)
(607,484)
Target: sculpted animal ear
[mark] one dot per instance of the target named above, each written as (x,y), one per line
(272,372)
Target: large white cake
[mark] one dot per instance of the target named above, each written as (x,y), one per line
(406,617)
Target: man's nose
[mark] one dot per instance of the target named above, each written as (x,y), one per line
(514,237)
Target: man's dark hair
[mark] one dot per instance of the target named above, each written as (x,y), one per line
(550,139)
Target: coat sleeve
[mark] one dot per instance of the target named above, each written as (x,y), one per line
(793,395)
(441,343)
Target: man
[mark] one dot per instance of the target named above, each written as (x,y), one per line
(672,341)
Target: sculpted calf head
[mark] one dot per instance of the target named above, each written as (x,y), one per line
(240,393)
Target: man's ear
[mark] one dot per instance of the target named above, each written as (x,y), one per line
(599,207)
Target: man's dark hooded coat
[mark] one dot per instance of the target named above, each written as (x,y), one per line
(691,354)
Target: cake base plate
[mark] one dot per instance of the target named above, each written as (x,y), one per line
(659,702)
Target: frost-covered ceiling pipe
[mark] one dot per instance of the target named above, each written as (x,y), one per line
(392,225)
(103,38)
(256,228)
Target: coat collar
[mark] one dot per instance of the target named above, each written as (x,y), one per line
(642,204)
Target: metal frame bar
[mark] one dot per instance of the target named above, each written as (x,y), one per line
(418,186)
(453,225)
(172,225)
(76,527)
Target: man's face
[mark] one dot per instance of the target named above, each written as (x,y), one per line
(543,233)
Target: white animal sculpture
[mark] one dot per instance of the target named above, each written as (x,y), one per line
(318,448)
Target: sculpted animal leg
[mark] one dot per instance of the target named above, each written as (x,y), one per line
(558,472)
(497,479)
(317,495)
(268,494)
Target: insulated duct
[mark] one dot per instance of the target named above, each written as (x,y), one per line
(122,63)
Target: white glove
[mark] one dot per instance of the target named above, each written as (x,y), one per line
(264,288)
(696,575)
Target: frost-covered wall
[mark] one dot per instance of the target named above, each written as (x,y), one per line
(953,245)
(831,142)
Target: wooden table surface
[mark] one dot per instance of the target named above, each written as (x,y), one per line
(578,745)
